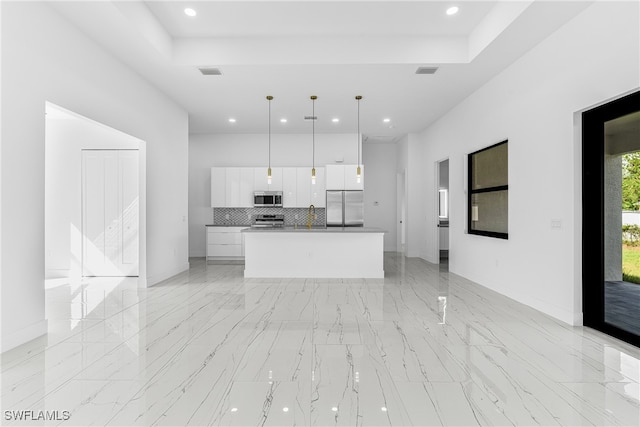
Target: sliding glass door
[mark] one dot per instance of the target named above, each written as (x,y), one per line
(611,218)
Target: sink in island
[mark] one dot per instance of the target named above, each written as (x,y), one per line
(334,252)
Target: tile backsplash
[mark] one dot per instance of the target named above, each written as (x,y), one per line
(244,216)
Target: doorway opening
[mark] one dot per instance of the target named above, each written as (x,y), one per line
(442,168)
(401,214)
(611,218)
(80,196)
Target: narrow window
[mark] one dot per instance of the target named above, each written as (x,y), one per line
(488,204)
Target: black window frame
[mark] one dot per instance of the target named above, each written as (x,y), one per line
(471,192)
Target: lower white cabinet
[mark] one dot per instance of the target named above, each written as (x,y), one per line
(225,242)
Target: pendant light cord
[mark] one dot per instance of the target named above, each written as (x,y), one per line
(269,98)
(358,136)
(313,132)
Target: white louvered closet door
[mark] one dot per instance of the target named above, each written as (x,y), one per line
(110,212)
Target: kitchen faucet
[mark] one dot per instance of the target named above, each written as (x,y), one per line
(310,216)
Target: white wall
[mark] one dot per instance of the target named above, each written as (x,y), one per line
(46,59)
(66,136)
(592,58)
(380,190)
(208,150)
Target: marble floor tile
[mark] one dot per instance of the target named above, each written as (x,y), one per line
(420,347)
(351,386)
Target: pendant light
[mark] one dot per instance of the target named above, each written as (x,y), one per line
(313,139)
(358,170)
(269,98)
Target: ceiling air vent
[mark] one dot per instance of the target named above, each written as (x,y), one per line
(311,117)
(210,71)
(426,70)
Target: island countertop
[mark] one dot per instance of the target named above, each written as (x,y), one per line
(303,229)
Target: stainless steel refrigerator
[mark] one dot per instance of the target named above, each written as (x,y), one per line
(345,208)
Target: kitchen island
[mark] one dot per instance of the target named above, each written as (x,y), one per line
(334,252)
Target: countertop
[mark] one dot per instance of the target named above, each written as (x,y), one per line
(304,229)
(227,225)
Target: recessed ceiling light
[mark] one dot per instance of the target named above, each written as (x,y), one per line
(285,409)
(283,120)
(234,409)
(386,120)
(334,409)
(232,120)
(190,12)
(335,120)
(453,10)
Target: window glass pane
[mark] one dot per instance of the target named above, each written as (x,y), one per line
(490,167)
(489,211)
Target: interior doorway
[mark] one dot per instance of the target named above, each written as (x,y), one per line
(67,135)
(401,213)
(611,170)
(442,168)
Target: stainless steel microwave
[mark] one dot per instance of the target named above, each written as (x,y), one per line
(267,199)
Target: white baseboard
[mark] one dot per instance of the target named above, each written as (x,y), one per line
(578,319)
(24,335)
(167,274)
(570,318)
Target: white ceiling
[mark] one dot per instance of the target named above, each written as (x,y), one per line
(345,18)
(331,49)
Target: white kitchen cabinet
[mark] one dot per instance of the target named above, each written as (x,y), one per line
(276,179)
(232,187)
(350,177)
(246,188)
(308,193)
(317,192)
(343,177)
(289,188)
(303,186)
(334,176)
(260,179)
(218,187)
(225,243)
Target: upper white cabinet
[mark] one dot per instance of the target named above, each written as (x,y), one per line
(276,179)
(260,179)
(318,190)
(308,193)
(233,187)
(246,188)
(343,177)
(289,187)
(303,186)
(350,177)
(334,177)
(218,187)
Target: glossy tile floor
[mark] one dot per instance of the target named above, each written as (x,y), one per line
(622,305)
(421,347)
